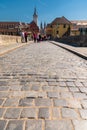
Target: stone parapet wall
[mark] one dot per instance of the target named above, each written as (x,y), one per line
(8,39)
(80,40)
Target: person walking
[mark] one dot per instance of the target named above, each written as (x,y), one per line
(22,37)
(35,37)
(25,35)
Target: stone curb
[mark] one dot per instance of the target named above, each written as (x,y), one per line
(70,49)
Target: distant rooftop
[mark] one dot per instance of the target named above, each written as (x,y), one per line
(60,20)
(79,22)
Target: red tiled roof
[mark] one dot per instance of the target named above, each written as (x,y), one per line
(60,20)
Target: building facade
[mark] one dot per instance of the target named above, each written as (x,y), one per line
(59,27)
(79,27)
(9,28)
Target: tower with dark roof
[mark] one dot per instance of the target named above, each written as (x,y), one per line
(35,16)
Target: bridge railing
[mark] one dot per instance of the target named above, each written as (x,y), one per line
(9,39)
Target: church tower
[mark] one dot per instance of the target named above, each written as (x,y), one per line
(35,16)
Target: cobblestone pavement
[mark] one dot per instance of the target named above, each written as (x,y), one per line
(43,87)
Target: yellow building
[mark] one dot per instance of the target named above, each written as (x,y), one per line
(59,27)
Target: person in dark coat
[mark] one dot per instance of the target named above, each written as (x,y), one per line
(25,35)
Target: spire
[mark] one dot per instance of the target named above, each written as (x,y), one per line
(35,12)
(41,26)
(44,25)
(35,16)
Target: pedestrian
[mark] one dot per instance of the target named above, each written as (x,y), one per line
(22,37)
(25,35)
(35,37)
(40,38)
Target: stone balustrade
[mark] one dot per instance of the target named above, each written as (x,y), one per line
(9,39)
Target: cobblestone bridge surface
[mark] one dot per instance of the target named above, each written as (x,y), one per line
(43,87)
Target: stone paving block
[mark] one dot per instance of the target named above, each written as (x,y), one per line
(48,88)
(84,103)
(44,113)
(43,102)
(65,95)
(83,113)
(58,125)
(2,124)
(79,95)
(70,84)
(25,88)
(4,88)
(14,82)
(16,94)
(64,89)
(29,113)
(53,94)
(15,125)
(3,83)
(33,125)
(35,88)
(74,89)
(26,102)
(55,112)
(31,94)
(53,83)
(73,103)
(69,113)
(60,102)
(15,88)
(40,80)
(11,102)
(12,113)
(62,84)
(80,124)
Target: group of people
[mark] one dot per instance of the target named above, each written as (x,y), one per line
(36,37)
(24,36)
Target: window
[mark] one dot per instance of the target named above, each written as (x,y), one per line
(64,26)
(57,32)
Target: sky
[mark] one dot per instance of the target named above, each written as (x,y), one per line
(47,10)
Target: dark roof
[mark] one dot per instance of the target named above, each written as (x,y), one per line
(60,20)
